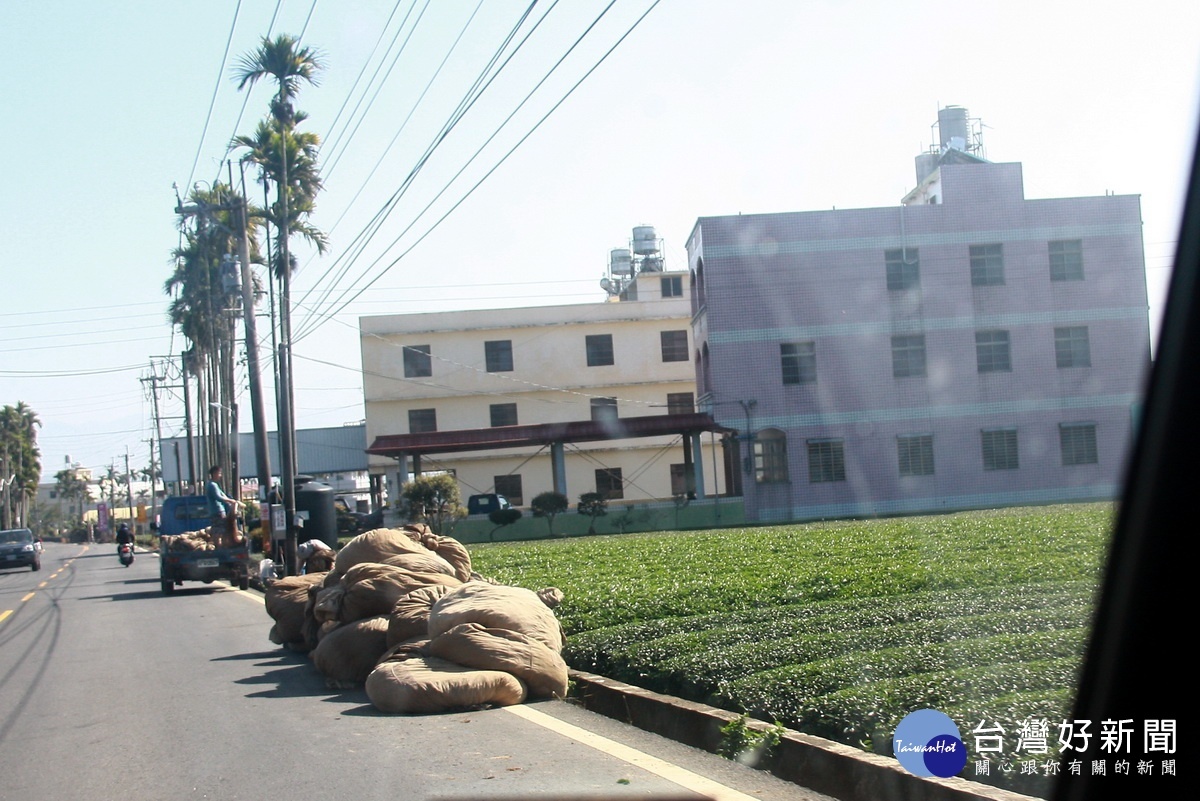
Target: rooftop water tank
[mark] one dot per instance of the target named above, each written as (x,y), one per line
(953,128)
(620,262)
(645,240)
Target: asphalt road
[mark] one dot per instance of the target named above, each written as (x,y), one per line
(110,690)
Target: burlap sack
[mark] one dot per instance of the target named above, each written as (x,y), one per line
(424,684)
(286,599)
(320,561)
(328,605)
(348,654)
(426,562)
(410,616)
(375,546)
(497,606)
(453,552)
(472,645)
(374,588)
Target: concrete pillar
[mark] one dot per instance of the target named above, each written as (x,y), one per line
(698,463)
(558,467)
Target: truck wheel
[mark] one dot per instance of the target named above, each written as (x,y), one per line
(168,587)
(244,581)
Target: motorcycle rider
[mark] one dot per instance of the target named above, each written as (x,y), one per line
(124,535)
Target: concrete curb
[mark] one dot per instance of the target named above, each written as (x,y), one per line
(818,764)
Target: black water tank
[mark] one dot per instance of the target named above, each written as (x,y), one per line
(314,501)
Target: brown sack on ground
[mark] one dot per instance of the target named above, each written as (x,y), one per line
(472,645)
(424,684)
(453,552)
(328,604)
(348,654)
(373,588)
(410,616)
(427,562)
(375,546)
(497,606)
(285,600)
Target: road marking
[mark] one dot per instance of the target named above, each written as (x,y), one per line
(4,615)
(27,597)
(42,585)
(659,767)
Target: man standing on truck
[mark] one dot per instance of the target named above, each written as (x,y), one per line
(222,510)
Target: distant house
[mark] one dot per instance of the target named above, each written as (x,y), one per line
(596,397)
(968,348)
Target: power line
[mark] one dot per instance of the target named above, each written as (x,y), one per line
(213,102)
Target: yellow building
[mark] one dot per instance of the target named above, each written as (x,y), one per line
(579,398)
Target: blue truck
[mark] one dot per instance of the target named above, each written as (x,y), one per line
(180,515)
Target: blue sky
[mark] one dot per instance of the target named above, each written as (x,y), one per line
(707,107)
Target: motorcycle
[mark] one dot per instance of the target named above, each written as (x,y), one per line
(125,553)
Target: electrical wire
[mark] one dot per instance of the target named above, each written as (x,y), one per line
(213,102)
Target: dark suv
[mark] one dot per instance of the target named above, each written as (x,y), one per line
(19,549)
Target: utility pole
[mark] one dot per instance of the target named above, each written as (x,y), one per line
(129,486)
(262,451)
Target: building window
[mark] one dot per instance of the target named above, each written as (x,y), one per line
(599,349)
(903,267)
(1071,348)
(498,356)
(674,346)
(604,409)
(1066,260)
(1078,443)
(510,487)
(916,454)
(417,363)
(987,265)
(992,352)
(826,460)
(503,414)
(422,421)
(681,403)
(609,483)
(1000,449)
(799,362)
(770,456)
(672,286)
(908,355)
(678,480)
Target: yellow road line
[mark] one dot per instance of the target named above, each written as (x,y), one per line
(27,597)
(4,615)
(42,585)
(659,767)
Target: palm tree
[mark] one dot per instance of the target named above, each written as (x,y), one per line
(290,65)
(73,488)
(20,461)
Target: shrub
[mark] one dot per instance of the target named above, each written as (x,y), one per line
(549,505)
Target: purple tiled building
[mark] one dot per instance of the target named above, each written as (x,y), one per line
(968,348)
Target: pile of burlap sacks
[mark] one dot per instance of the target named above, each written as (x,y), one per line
(403,612)
(192,541)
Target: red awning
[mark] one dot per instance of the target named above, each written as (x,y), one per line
(481,439)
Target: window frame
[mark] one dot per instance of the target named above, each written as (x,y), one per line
(914,454)
(987,264)
(599,349)
(906,363)
(675,404)
(498,355)
(603,410)
(1066,259)
(672,349)
(501,484)
(418,361)
(1005,457)
(826,460)
(429,426)
(671,286)
(502,411)
(800,365)
(987,352)
(770,457)
(1070,349)
(899,273)
(610,483)
(1077,452)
